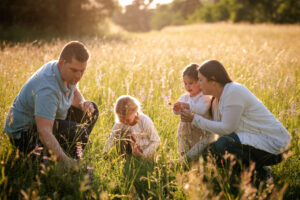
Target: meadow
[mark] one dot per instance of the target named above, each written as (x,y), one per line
(149,66)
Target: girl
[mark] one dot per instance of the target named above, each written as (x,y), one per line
(133,127)
(188,135)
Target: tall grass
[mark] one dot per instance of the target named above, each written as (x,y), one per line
(148,66)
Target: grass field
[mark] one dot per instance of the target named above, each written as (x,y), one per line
(148,66)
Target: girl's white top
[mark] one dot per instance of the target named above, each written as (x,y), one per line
(143,132)
(201,105)
(242,113)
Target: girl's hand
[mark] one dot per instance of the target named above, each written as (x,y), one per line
(180,106)
(185,106)
(136,149)
(177,107)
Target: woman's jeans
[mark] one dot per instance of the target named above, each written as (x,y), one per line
(71,133)
(244,153)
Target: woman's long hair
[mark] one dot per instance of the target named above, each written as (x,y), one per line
(213,70)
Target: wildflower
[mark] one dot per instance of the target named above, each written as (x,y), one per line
(90,168)
(79,150)
(37,150)
(142,93)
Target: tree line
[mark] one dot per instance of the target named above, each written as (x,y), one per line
(69,17)
(53,17)
(138,18)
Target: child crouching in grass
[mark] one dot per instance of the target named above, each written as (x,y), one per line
(133,132)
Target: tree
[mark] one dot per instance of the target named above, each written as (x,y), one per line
(164,16)
(136,16)
(186,7)
(61,16)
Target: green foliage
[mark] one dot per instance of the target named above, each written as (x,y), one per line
(163,16)
(185,7)
(253,11)
(288,11)
(58,17)
(210,13)
(136,17)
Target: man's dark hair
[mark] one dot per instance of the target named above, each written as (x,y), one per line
(74,49)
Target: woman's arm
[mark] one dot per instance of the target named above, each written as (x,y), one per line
(229,123)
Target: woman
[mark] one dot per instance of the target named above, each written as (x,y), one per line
(246,127)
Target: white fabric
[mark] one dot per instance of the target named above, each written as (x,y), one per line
(242,113)
(143,132)
(187,134)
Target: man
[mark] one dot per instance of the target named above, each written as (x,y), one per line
(50,108)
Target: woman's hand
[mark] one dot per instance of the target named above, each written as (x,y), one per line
(187,116)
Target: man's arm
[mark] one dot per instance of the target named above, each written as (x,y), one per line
(78,99)
(81,103)
(44,128)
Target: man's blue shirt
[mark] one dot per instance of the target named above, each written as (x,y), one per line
(43,95)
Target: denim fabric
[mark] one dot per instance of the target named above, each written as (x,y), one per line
(244,153)
(72,132)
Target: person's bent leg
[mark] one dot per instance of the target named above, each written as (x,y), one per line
(227,143)
(261,159)
(73,133)
(72,136)
(88,121)
(27,142)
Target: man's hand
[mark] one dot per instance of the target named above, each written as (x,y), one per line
(87,106)
(71,164)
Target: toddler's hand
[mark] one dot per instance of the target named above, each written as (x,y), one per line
(185,106)
(177,107)
(136,149)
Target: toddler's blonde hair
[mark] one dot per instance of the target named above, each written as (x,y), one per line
(125,105)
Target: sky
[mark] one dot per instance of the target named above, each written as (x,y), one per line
(127,2)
